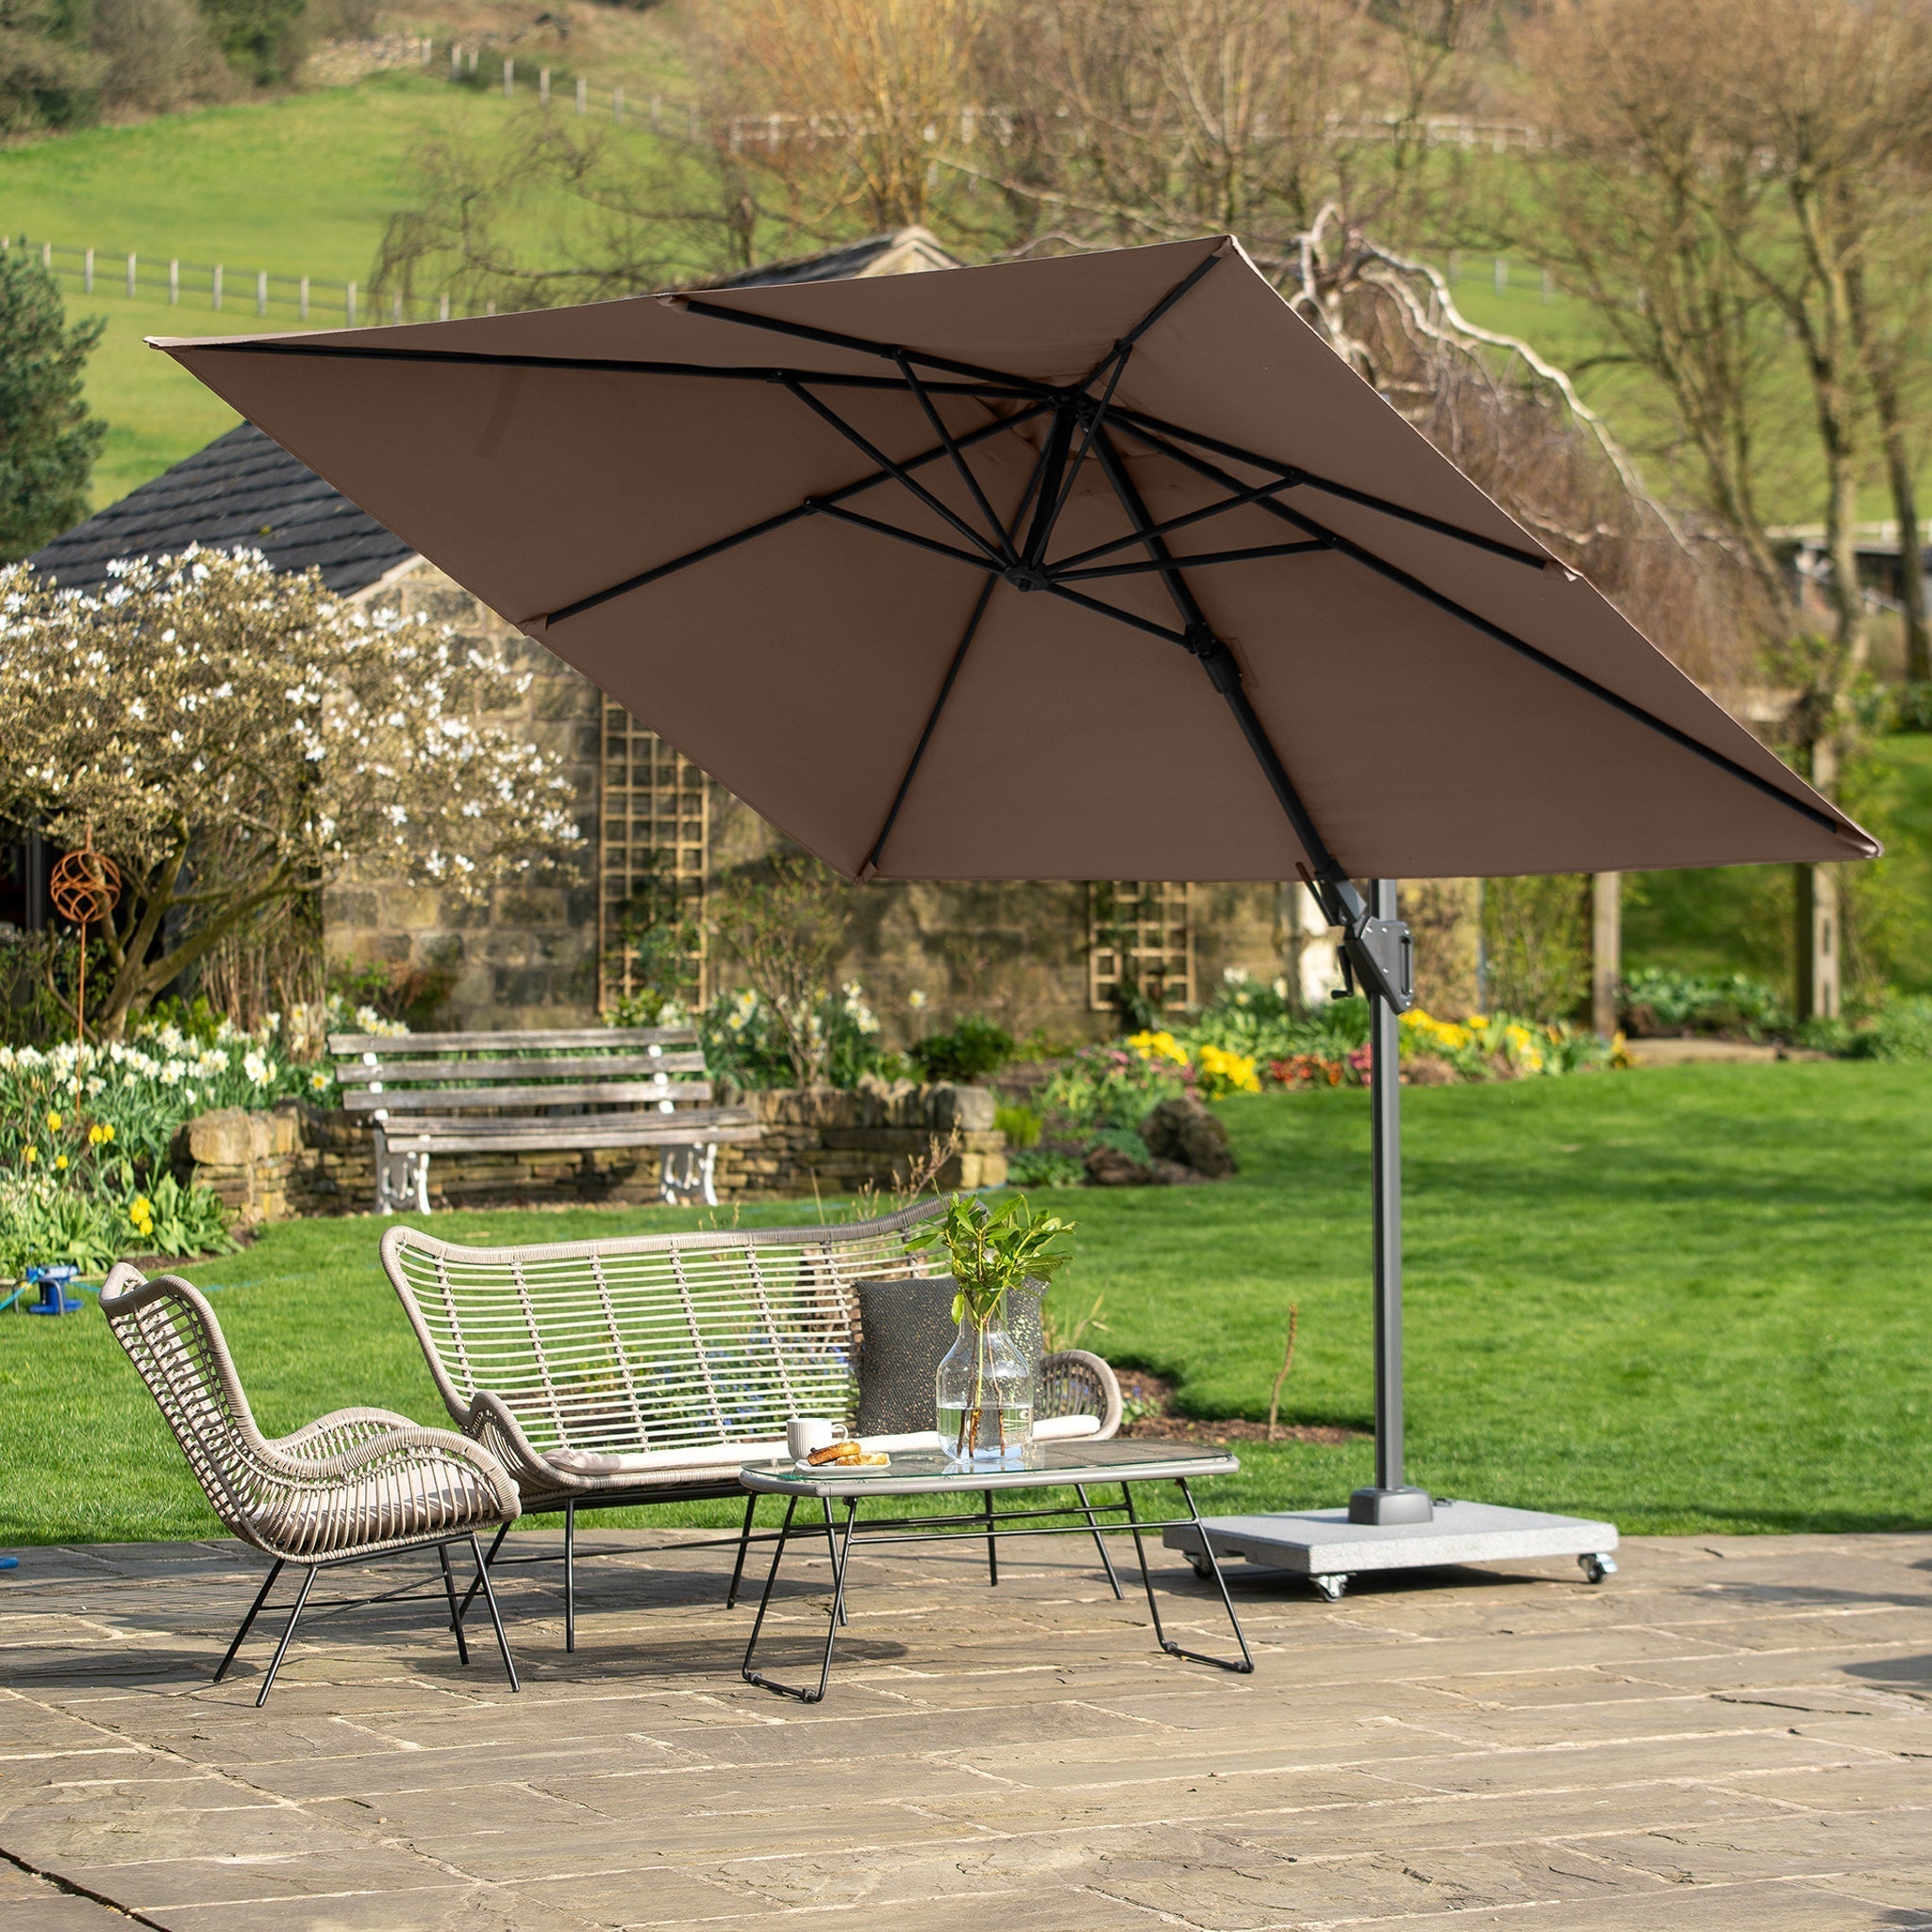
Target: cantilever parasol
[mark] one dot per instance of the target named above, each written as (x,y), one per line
(1095,567)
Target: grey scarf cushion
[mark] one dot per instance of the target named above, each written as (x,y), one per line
(905,1328)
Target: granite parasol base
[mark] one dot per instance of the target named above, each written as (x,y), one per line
(1326,1548)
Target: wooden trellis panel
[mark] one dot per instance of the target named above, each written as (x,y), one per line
(1144,927)
(655,802)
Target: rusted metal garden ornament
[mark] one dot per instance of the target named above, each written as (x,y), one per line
(85,887)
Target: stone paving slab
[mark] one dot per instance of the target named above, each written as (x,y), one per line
(1730,1733)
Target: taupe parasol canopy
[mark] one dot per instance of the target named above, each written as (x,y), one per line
(1095,567)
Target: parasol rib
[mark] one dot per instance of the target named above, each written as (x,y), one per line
(1395,575)
(896,471)
(1146,565)
(1237,501)
(1001,389)
(871,864)
(1141,422)
(967,473)
(779,522)
(1218,661)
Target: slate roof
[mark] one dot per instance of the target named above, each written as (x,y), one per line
(244,491)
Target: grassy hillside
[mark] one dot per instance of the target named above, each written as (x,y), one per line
(305,185)
(299,186)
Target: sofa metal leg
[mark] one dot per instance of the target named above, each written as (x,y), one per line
(751,1505)
(570,1576)
(495,1616)
(449,1590)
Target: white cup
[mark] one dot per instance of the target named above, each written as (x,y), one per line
(805,1433)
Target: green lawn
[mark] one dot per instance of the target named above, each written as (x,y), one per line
(1691,1299)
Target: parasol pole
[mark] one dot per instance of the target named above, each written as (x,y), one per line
(1389,1499)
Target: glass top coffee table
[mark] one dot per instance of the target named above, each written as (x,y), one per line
(1081,1467)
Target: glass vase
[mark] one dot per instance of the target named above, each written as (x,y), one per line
(984,1396)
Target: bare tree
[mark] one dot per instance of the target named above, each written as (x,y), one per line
(563,211)
(1726,191)
(784,920)
(857,98)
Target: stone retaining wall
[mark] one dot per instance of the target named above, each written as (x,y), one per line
(297,1159)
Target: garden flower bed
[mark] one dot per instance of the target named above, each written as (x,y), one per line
(86,1132)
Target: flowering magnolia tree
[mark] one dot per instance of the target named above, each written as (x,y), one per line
(232,737)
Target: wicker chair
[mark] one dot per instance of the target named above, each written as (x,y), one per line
(356,1483)
(648,1367)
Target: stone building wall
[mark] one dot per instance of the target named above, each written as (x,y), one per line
(528,957)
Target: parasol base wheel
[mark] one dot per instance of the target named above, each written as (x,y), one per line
(1327,1549)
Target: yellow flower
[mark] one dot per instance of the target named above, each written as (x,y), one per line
(54,1124)
(1233,1071)
(32,1155)
(140,1208)
(61,1160)
(1159,1046)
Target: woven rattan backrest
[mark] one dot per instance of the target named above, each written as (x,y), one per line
(654,1341)
(174,1343)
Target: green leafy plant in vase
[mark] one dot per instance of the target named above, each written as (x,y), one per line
(983,1391)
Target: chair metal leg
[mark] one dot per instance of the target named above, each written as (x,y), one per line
(449,1590)
(570,1576)
(992,1548)
(281,1649)
(248,1622)
(1099,1541)
(751,1505)
(496,1617)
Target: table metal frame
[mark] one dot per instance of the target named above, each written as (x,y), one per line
(989,1523)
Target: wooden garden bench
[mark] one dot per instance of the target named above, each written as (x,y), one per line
(649,1368)
(588,1089)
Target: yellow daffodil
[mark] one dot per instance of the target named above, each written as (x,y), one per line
(1159,1046)
(31,1156)
(54,1124)
(61,1160)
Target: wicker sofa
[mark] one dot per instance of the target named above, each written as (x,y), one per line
(608,1374)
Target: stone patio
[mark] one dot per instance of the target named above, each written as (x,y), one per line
(1732,1733)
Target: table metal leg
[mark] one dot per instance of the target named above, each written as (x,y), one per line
(992,1548)
(1099,1541)
(834,1616)
(751,1506)
(757,1623)
(1172,1649)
